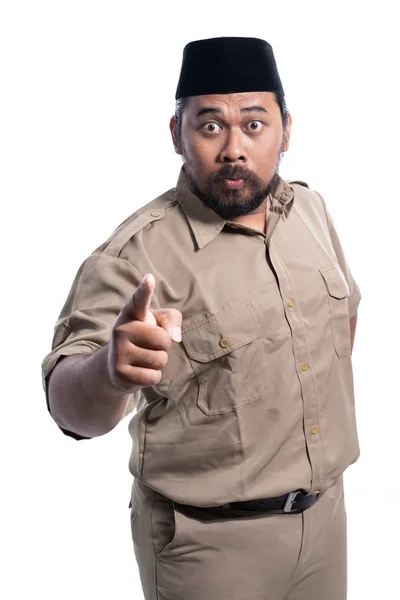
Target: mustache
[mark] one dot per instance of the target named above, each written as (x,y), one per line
(233,172)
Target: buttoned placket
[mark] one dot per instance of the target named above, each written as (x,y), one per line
(302,358)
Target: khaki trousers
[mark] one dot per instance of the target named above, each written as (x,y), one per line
(222,554)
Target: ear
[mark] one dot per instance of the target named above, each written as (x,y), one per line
(175,141)
(286,134)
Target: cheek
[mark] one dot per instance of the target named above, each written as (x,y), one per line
(199,155)
(268,152)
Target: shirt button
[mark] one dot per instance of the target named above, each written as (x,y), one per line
(304,365)
(290,302)
(314,429)
(224,342)
(155,213)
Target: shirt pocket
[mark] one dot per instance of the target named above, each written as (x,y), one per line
(224,353)
(338,294)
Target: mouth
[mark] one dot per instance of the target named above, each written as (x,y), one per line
(234,184)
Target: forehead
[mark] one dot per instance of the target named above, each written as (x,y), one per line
(230,102)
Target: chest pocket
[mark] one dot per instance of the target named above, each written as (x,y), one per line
(338,293)
(225,357)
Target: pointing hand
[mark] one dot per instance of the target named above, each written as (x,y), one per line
(140,340)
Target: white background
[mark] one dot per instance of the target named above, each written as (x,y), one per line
(87,93)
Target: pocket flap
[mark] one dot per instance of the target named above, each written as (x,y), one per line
(335,281)
(221,333)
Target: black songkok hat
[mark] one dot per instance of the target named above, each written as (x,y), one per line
(226,65)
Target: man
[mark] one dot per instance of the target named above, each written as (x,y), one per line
(225,312)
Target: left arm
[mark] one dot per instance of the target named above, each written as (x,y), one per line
(355,294)
(353,324)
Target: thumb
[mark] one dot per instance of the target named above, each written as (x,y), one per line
(141,300)
(170,319)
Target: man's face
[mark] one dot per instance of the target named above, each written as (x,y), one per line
(231,146)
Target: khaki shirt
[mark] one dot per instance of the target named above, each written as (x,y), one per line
(258,399)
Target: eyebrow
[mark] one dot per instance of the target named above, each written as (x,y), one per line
(254,108)
(247,109)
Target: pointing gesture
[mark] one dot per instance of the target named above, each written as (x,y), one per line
(140,340)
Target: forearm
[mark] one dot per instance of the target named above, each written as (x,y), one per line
(81,397)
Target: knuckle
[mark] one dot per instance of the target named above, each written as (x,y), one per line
(155,377)
(152,359)
(147,377)
(123,372)
(160,338)
(165,340)
(158,359)
(164,359)
(127,377)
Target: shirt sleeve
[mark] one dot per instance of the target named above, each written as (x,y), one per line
(102,286)
(355,294)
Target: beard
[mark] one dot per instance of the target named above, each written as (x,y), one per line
(229,203)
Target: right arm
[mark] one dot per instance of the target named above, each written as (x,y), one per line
(88,393)
(81,397)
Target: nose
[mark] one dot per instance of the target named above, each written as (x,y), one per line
(233,150)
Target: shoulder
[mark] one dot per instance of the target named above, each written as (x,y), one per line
(297,182)
(303,191)
(309,203)
(148,214)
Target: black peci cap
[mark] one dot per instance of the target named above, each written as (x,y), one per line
(226,65)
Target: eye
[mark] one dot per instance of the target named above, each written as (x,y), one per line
(211,127)
(255,125)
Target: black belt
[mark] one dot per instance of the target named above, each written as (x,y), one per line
(288,503)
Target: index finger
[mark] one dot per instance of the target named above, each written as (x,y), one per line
(141,299)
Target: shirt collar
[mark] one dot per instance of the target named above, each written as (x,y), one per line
(206,224)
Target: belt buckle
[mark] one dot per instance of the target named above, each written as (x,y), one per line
(291,499)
